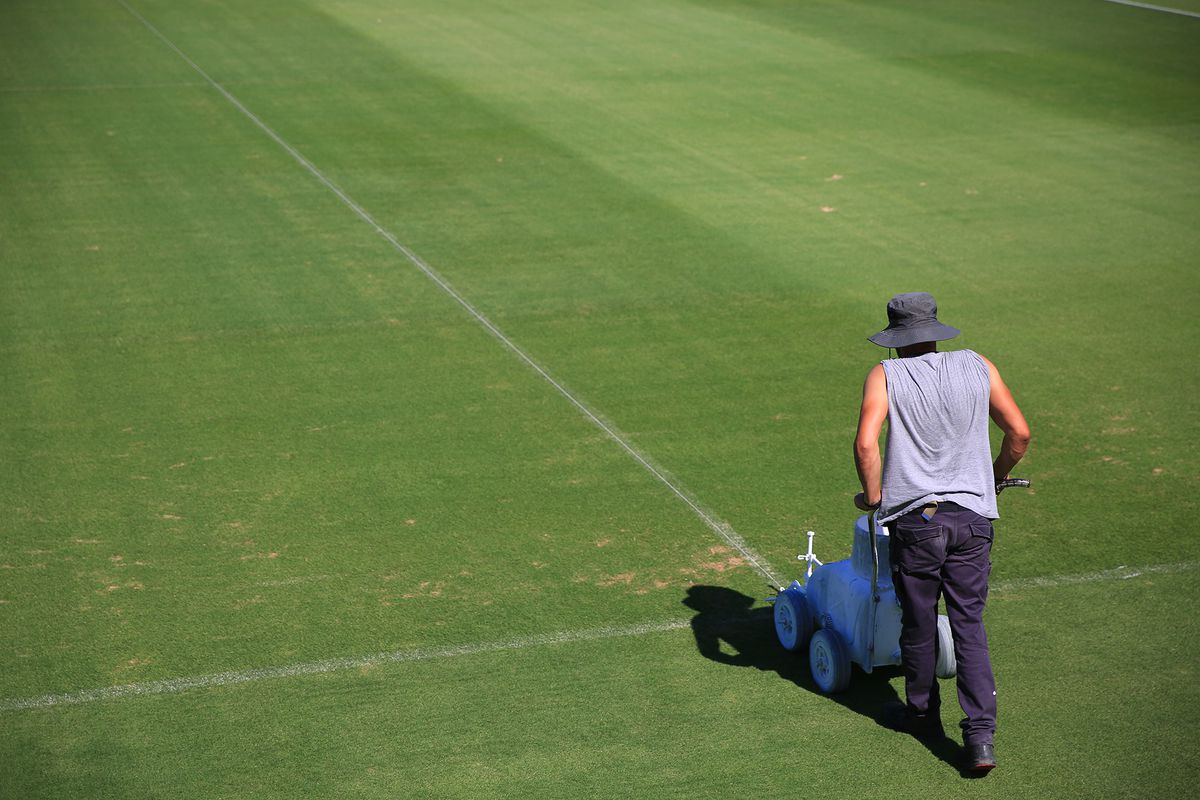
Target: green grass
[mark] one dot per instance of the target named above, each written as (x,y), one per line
(239,430)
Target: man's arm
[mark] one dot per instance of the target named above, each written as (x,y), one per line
(1008,418)
(866,443)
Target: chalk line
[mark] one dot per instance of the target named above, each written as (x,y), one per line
(177,685)
(1115,574)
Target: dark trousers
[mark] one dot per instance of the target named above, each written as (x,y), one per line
(948,556)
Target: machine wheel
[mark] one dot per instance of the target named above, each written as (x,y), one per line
(947,666)
(793,623)
(829,661)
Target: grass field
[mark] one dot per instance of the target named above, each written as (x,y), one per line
(336,537)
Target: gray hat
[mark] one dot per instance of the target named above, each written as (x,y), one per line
(912,318)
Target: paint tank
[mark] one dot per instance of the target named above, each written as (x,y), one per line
(840,598)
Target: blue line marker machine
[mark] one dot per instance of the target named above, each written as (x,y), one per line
(846,612)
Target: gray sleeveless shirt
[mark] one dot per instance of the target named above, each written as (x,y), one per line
(937,440)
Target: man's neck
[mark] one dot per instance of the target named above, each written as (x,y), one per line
(915,350)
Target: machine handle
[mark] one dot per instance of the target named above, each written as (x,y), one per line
(874,586)
(1011,483)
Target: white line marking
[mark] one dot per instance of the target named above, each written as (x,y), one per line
(1163,9)
(1121,573)
(722,529)
(177,685)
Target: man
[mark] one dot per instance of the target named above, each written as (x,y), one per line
(936,492)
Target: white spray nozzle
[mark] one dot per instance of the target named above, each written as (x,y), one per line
(809,558)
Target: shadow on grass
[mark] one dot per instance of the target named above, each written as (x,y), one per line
(726,615)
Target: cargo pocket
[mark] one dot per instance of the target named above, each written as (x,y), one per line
(918,549)
(980,545)
(983,530)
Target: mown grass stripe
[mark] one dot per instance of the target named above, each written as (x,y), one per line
(720,528)
(96,87)
(178,685)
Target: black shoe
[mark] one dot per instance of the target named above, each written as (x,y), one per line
(925,727)
(981,758)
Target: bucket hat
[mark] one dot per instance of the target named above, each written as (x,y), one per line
(912,318)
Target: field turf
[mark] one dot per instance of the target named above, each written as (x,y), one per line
(336,537)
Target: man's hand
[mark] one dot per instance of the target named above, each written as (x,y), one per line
(860,501)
